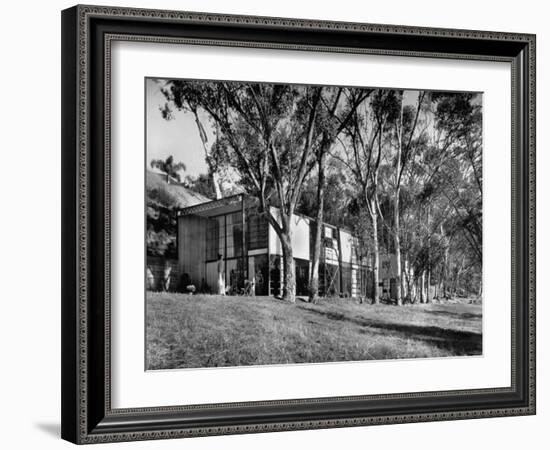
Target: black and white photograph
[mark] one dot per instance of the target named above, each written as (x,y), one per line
(291,223)
(275,225)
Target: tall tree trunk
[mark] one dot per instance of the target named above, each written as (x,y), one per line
(373,211)
(445,268)
(406,287)
(428,284)
(376,262)
(317,244)
(422,283)
(457,276)
(396,228)
(397,245)
(215,179)
(281,223)
(340,265)
(314,276)
(212,171)
(428,264)
(281,275)
(289,285)
(412,290)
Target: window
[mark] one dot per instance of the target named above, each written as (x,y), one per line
(212,239)
(234,235)
(257,229)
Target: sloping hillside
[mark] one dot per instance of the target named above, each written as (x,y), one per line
(163,199)
(214,331)
(181,195)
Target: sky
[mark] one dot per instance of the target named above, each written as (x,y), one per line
(180,137)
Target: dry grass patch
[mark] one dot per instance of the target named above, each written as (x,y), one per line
(186,331)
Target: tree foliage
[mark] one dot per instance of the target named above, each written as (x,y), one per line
(267,133)
(402,168)
(161,223)
(169,167)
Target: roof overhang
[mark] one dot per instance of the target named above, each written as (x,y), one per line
(215,207)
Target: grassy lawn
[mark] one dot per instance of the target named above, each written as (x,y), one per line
(215,331)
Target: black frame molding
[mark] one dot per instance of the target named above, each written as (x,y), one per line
(87,33)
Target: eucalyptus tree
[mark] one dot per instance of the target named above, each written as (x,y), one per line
(405,133)
(362,153)
(445,183)
(459,135)
(267,133)
(338,106)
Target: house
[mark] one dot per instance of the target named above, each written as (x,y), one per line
(251,250)
(163,194)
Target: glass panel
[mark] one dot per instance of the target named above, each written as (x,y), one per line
(237,239)
(229,237)
(257,230)
(221,240)
(234,235)
(212,239)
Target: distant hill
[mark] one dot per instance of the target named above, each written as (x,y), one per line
(163,198)
(181,196)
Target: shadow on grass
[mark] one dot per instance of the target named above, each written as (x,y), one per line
(453,314)
(456,341)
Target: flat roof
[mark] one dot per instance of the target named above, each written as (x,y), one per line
(233,203)
(218,207)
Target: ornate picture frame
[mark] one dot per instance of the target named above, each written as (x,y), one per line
(88,33)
